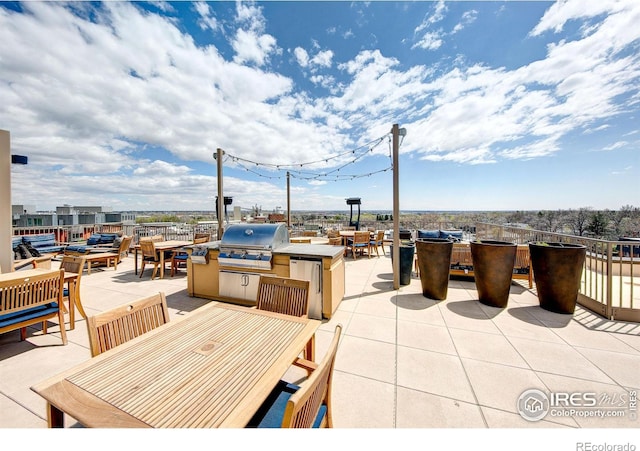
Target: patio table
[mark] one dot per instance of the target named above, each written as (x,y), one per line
(160,246)
(213,368)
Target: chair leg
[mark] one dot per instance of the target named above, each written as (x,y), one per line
(142,268)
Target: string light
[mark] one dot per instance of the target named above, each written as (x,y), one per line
(332,175)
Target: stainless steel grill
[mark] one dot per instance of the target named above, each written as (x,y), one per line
(251,245)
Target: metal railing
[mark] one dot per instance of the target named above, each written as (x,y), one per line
(80,233)
(611,272)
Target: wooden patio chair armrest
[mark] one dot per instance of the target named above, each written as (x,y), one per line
(306,364)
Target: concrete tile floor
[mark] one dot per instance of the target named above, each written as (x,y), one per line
(404,361)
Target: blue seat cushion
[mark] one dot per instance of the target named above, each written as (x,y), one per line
(40,241)
(24,315)
(271,412)
(74,248)
(428,233)
(107,238)
(94,239)
(448,234)
(181,256)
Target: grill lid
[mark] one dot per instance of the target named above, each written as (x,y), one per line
(255,236)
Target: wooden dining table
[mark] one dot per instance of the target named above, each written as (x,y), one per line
(212,368)
(160,246)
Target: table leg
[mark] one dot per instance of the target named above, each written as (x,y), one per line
(78,302)
(135,260)
(71,288)
(55,417)
(162,264)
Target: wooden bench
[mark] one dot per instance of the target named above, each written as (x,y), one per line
(462,264)
(30,297)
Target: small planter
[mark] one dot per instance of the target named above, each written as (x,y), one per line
(434,261)
(406,262)
(557,269)
(493,263)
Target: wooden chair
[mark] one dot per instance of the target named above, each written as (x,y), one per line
(286,296)
(283,295)
(73,264)
(378,242)
(304,406)
(201,238)
(150,255)
(179,257)
(333,233)
(360,242)
(114,327)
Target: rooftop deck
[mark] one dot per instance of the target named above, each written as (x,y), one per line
(404,361)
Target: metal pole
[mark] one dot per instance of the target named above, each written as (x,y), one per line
(396,209)
(288,202)
(219,154)
(6,227)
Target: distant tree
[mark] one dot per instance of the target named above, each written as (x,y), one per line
(515,217)
(578,219)
(626,221)
(548,220)
(598,223)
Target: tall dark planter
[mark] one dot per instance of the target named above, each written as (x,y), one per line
(557,269)
(434,261)
(406,262)
(493,263)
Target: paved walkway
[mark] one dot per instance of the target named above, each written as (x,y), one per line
(404,361)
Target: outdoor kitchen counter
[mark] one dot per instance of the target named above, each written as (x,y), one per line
(203,279)
(310,250)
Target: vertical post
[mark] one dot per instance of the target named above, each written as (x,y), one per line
(219,154)
(396,208)
(288,201)
(6,226)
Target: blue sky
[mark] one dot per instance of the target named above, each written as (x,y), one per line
(507,105)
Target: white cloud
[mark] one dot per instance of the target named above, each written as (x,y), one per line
(253,48)
(563,11)
(438,14)
(467,18)
(323,58)
(207,20)
(302,57)
(430,41)
(616,145)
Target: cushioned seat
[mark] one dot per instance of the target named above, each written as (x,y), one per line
(271,413)
(428,233)
(23,315)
